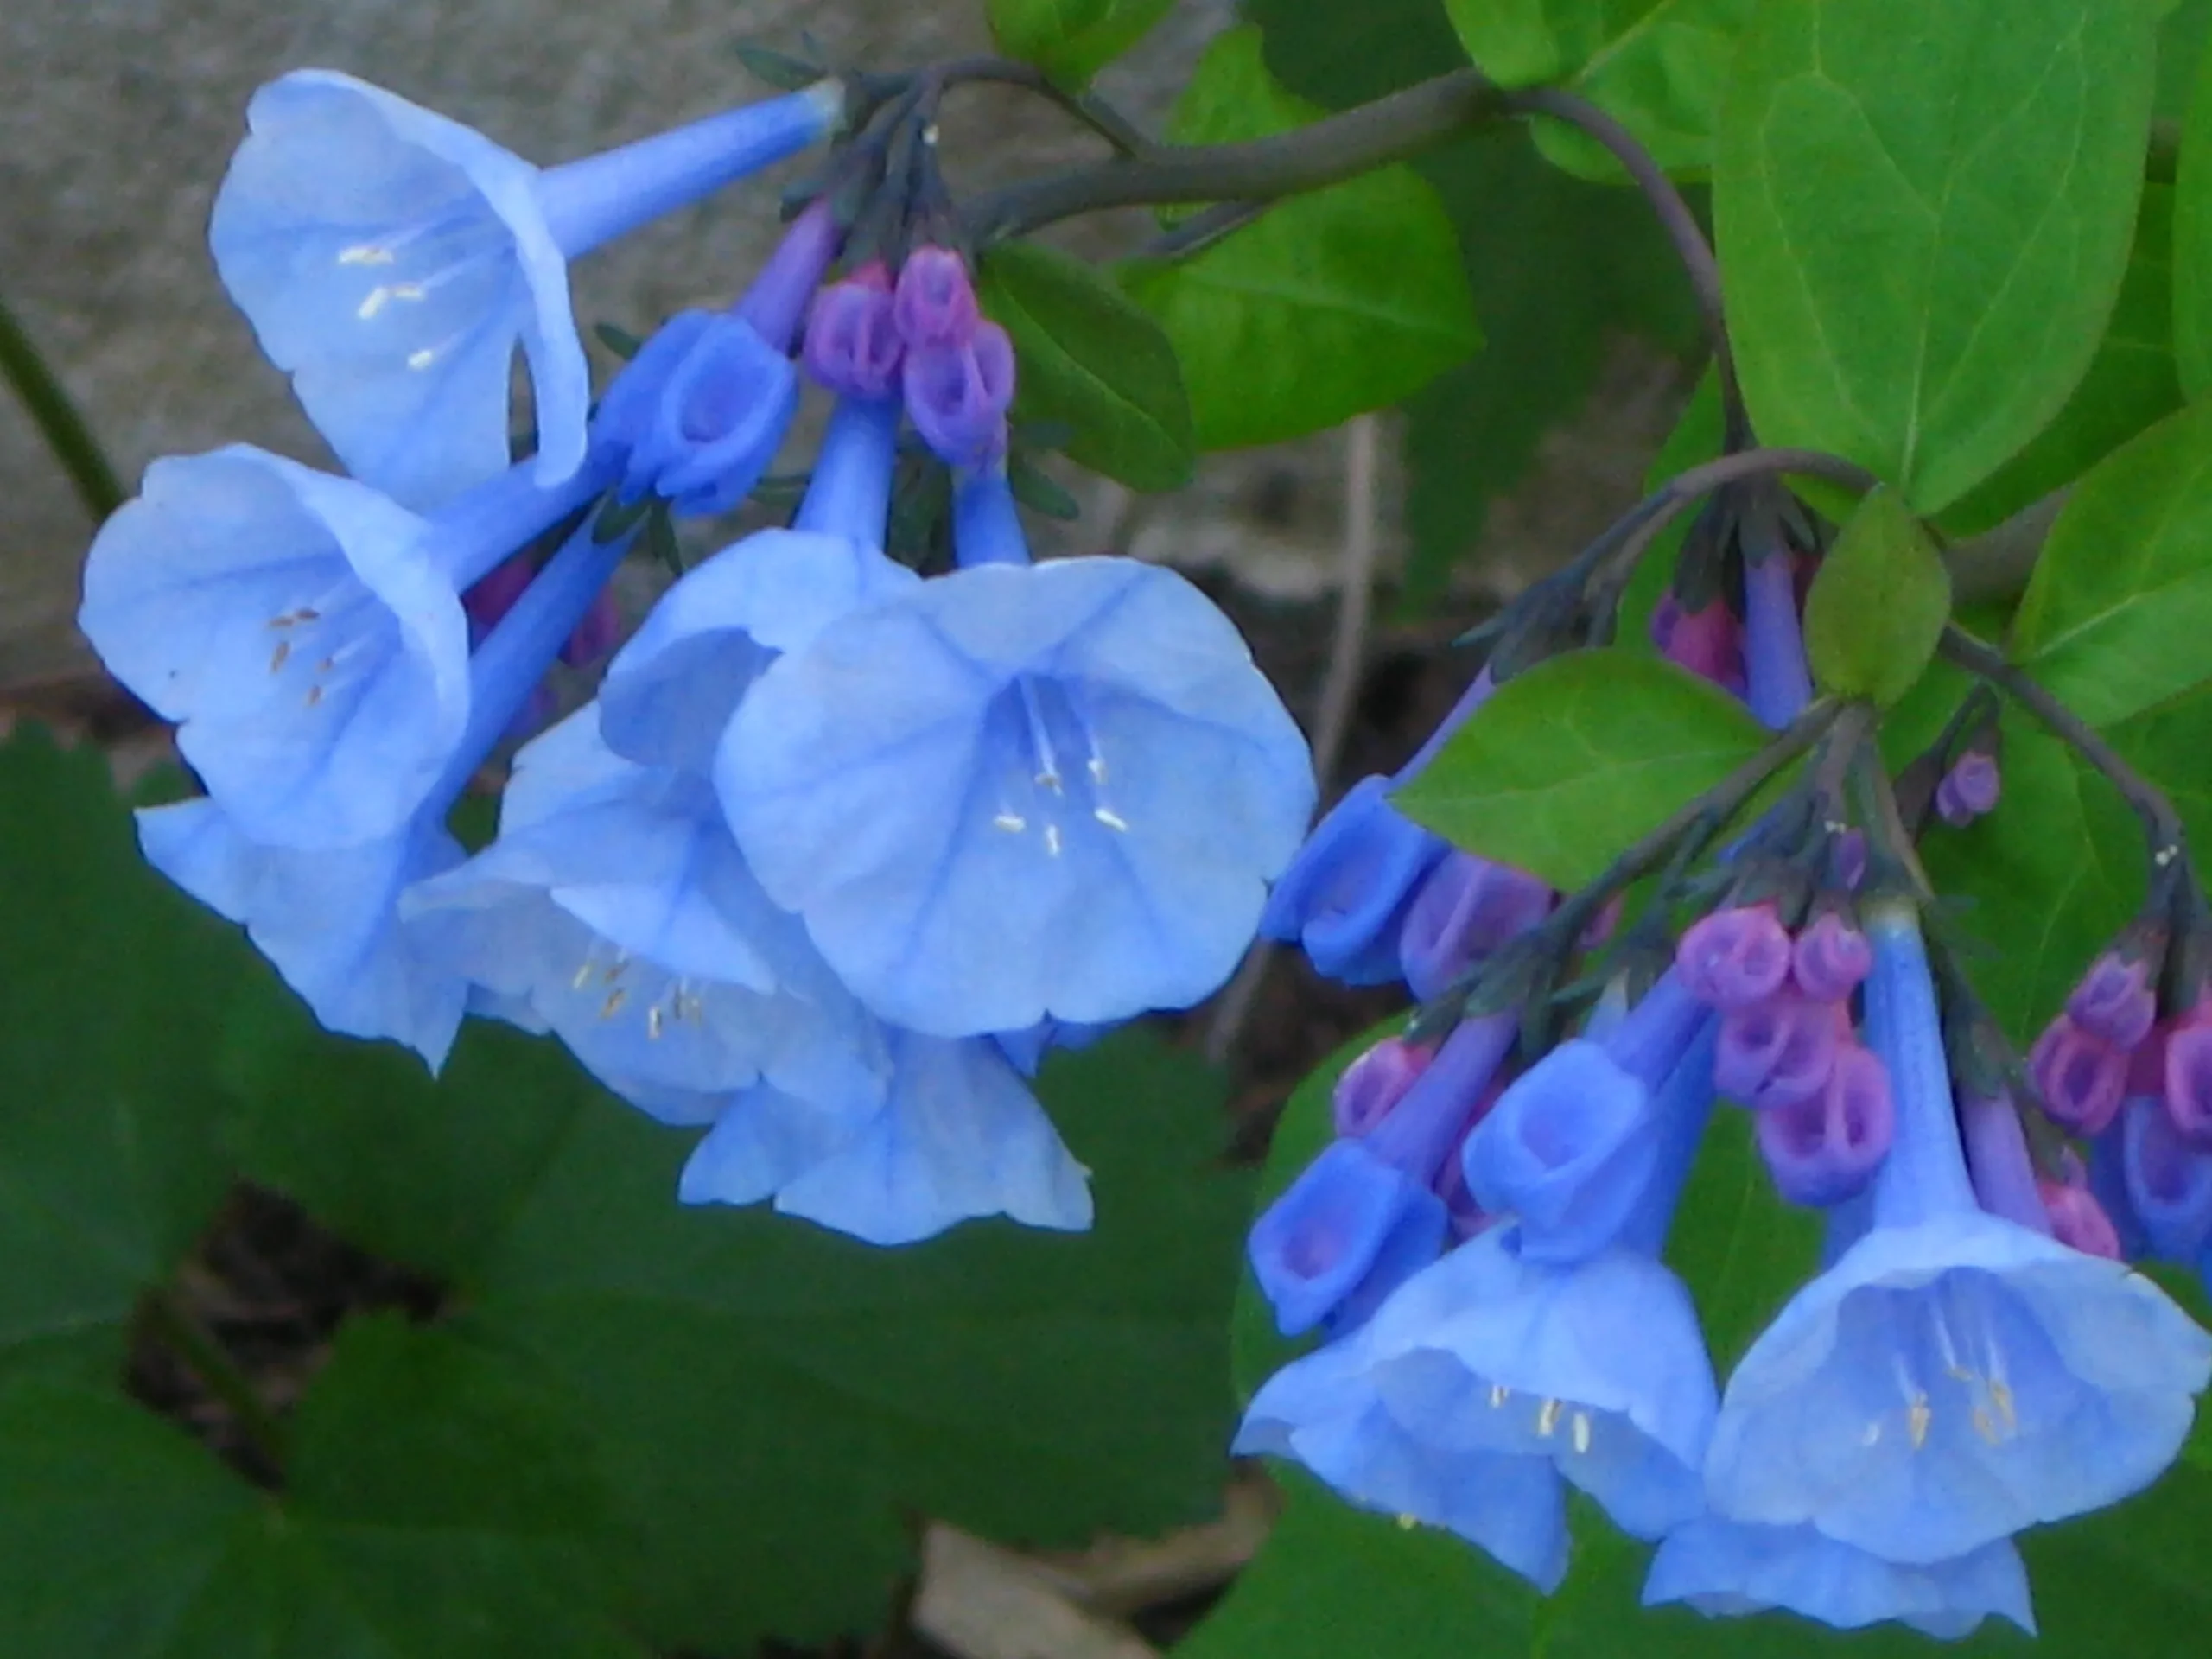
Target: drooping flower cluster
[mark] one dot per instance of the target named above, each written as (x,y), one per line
(835,852)
(1479,1247)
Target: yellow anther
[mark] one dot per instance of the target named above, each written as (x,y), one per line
(314,695)
(2000,1394)
(1012,823)
(1407,1522)
(1983,1426)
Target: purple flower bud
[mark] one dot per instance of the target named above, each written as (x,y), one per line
(852,342)
(1968,789)
(935,303)
(1375,1083)
(1734,957)
(2169,1180)
(2189,1079)
(2078,1220)
(1998,1161)
(2081,1077)
(1831,958)
(1778,1052)
(1709,643)
(1466,908)
(1666,617)
(1825,1148)
(959,396)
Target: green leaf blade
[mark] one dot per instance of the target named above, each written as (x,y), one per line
(1879,604)
(1924,228)
(1569,763)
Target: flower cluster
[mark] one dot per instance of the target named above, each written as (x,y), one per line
(836,851)
(1480,1246)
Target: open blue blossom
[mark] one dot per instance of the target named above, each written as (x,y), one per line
(1020,791)
(1571,1148)
(614,907)
(305,631)
(696,418)
(1364,1216)
(1323,1411)
(958,1135)
(670,691)
(1952,1377)
(1345,897)
(1724,1568)
(393,260)
(330,920)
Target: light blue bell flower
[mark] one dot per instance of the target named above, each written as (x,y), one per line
(1344,899)
(305,631)
(393,261)
(1324,1411)
(330,920)
(1020,791)
(618,911)
(958,1136)
(1724,1568)
(1952,1378)
(672,689)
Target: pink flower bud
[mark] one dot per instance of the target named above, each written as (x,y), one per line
(1375,1083)
(957,395)
(935,302)
(1734,957)
(853,345)
(1831,958)
(1825,1149)
(2082,1077)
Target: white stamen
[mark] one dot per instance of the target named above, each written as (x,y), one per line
(1111,819)
(422,359)
(1052,839)
(1012,823)
(1548,1417)
(1581,1431)
(1499,1394)
(366,253)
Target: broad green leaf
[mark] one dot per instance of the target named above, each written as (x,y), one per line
(1332,304)
(2040,885)
(1656,65)
(1575,759)
(771,1402)
(1338,57)
(2131,383)
(108,985)
(1741,1250)
(1093,360)
(2193,240)
(433,1509)
(1923,221)
(1333,1582)
(2182,39)
(2118,612)
(1879,604)
(1037,30)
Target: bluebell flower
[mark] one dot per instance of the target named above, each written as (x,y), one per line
(1778,682)
(393,260)
(1364,1216)
(1952,1377)
(1724,1568)
(1020,791)
(2168,1179)
(1571,1148)
(329,919)
(696,418)
(616,908)
(1345,898)
(958,1136)
(305,631)
(671,691)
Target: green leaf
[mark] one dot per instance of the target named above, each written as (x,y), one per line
(1879,604)
(2193,240)
(432,1510)
(771,1401)
(2131,383)
(2182,39)
(1092,359)
(1346,300)
(1924,222)
(110,989)
(1656,65)
(1036,31)
(1572,760)
(1333,1582)
(2117,613)
(1741,1250)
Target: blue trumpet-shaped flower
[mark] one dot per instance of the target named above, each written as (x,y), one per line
(1724,1567)
(1020,791)
(615,909)
(393,260)
(1952,1377)
(671,691)
(305,631)
(958,1135)
(330,920)
(1364,1216)
(1346,896)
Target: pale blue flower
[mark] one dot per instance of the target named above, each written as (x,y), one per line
(393,261)
(305,631)
(1346,896)
(1020,791)
(1952,1378)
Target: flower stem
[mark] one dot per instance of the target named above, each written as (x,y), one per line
(1088,108)
(57,419)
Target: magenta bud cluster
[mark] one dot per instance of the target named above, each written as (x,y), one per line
(1788,1047)
(1969,790)
(1708,642)
(924,337)
(2108,1044)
